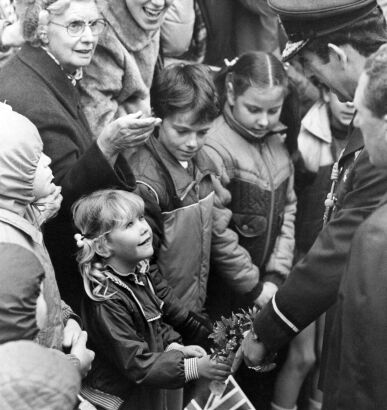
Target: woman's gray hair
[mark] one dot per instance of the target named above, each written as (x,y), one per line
(36,16)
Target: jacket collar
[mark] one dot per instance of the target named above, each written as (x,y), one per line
(21,224)
(131,35)
(316,122)
(355,143)
(202,164)
(52,75)
(246,133)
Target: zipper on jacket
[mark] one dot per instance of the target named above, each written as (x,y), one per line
(272,199)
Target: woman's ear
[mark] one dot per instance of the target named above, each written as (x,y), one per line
(43,20)
(42,35)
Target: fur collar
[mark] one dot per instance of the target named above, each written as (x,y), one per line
(124,26)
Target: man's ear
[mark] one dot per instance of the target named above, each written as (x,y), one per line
(102,248)
(339,53)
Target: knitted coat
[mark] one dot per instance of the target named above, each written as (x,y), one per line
(119,77)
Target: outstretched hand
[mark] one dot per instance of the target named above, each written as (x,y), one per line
(212,369)
(193,351)
(126,132)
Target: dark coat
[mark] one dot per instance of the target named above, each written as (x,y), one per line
(356,370)
(35,86)
(129,336)
(313,285)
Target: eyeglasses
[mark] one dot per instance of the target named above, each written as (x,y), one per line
(77,27)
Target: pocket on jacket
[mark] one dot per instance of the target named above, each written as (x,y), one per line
(249,226)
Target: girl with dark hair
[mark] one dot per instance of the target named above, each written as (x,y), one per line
(247,143)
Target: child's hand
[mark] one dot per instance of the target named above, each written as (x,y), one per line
(71,334)
(84,355)
(211,369)
(193,351)
(268,291)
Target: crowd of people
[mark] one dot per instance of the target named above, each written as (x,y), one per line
(163,166)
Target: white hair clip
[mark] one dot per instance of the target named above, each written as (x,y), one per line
(79,239)
(231,63)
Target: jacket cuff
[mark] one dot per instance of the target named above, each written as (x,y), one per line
(76,318)
(273,328)
(252,295)
(275,277)
(68,313)
(191,369)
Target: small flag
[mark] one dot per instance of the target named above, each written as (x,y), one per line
(233,398)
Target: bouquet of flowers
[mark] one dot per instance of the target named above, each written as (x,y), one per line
(229,332)
(228,335)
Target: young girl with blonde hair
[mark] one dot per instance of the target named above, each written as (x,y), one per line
(137,353)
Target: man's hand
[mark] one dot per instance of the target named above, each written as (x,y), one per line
(253,350)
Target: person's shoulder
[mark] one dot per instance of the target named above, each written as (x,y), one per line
(377,221)
(143,162)
(218,128)
(16,256)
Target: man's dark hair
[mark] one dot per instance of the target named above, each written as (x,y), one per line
(365,36)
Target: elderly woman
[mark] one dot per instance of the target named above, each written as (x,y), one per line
(118,79)
(40,83)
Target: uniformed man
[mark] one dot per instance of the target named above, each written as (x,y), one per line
(333,39)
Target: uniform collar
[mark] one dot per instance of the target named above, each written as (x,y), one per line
(355,142)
